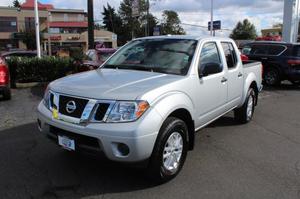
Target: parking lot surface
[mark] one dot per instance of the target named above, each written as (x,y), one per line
(257,160)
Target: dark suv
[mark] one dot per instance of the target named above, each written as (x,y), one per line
(281,60)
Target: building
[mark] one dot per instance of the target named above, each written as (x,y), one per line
(275,31)
(59,28)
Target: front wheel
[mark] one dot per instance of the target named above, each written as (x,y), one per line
(170,150)
(245,113)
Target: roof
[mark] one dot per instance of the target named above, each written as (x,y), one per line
(191,37)
(29,4)
(80,24)
(68,10)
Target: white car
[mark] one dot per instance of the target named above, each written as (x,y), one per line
(146,102)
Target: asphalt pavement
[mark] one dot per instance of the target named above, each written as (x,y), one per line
(257,160)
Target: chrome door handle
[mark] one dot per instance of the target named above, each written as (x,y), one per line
(223,80)
(240,74)
(264,58)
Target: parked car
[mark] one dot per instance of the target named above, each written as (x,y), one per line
(281,60)
(96,57)
(10,54)
(4,80)
(148,100)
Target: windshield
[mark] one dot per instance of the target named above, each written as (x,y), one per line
(171,56)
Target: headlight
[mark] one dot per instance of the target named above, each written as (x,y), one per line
(46,97)
(127,111)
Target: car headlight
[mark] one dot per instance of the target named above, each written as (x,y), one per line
(127,111)
(46,98)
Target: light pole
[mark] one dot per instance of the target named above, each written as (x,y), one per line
(211,17)
(37,29)
(90,24)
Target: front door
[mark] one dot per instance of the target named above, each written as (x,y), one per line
(212,88)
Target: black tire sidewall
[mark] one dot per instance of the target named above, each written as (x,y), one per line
(170,126)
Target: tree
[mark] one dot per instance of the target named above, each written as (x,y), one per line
(111,20)
(16,4)
(171,23)
(29,39)
(244,31)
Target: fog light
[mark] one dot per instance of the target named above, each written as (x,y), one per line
(123,149)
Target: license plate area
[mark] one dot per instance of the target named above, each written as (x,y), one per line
(66,143)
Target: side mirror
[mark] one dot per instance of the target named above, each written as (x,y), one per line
(209,69)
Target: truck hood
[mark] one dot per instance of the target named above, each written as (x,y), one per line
(112,84)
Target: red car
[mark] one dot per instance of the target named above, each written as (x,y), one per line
(4,80)
(96,57)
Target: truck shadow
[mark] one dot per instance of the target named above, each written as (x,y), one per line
(285,86)
(226,120)
(35,166)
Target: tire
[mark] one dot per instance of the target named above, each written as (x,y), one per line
(6,94)
(160,168)
(272,77)
(245,113)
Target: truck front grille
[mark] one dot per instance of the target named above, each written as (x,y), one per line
(101,111)
(78,106)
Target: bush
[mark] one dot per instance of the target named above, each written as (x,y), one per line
(46,69)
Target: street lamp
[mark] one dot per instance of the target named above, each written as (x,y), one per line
(37,29)
(211,17)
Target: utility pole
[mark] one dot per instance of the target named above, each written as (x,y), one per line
(91,24)
(148,25)
(37,29)
(211,17)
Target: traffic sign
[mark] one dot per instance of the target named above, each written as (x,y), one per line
(216,25)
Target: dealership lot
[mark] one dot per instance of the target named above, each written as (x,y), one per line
(257,160)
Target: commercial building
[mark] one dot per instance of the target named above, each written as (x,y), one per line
(59,28)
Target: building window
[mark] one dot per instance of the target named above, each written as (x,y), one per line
(29,24)
(80,17)
(8,24)
(66,18)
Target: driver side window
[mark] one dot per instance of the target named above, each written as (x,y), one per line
(210,62)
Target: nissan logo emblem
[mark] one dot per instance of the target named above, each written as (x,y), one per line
(71,106)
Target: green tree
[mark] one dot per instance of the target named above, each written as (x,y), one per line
(111,20)
(16,4)
(171,23)
(28,38)
(244,31)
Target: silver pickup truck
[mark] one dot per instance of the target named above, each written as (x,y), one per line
(145,103)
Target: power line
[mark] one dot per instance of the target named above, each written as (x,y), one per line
(201,26)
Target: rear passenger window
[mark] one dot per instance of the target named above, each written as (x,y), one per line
(259,50)
(276,50)
(230,55)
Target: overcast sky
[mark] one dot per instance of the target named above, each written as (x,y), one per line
(263,13)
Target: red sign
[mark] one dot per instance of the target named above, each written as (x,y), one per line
(55,38)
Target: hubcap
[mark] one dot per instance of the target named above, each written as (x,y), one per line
(172,152)
(250,107)
(270,77)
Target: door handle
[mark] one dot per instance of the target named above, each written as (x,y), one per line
(223,80)
(240,74)
(264,58)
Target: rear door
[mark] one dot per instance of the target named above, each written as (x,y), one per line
(212,89)
(234,74)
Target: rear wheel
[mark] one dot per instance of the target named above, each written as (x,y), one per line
(7,94)
(272,77)
(245,113)
(170,150)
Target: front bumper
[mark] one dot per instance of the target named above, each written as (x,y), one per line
(139,136)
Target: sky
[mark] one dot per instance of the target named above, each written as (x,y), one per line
(263,13)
